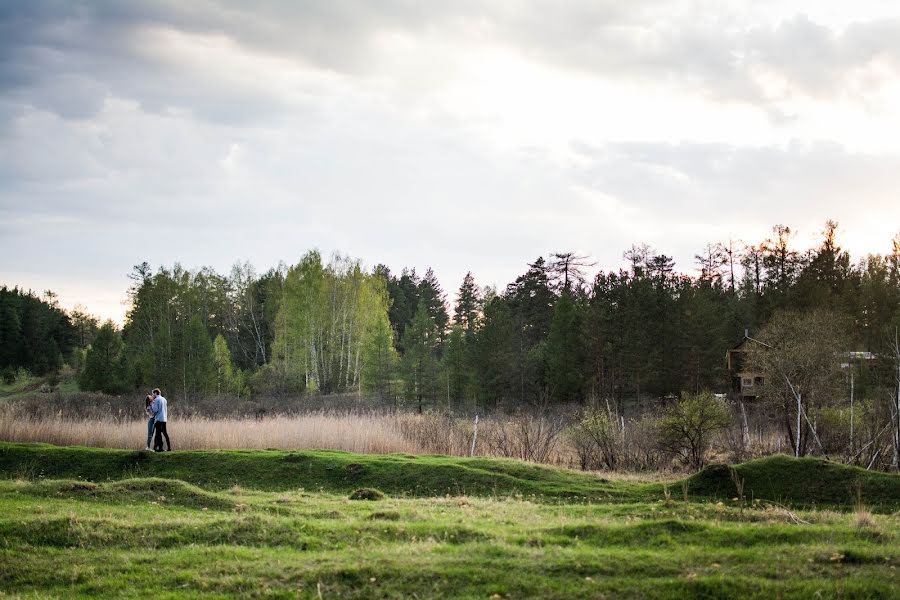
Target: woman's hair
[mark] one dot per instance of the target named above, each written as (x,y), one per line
(148,401)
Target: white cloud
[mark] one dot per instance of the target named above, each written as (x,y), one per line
(461,135)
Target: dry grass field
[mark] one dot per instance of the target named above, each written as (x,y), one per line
(547,438)
(354,433)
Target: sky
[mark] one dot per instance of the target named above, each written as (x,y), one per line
(462,136)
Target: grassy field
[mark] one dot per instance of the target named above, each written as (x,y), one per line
(26,384)
(87,522)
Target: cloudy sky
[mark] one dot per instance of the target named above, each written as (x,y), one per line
(458,135)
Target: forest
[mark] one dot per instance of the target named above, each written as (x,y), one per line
(824,327)
(551,336)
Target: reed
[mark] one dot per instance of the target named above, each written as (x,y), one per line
(354,433)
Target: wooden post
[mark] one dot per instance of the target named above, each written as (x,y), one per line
(474,437)
(850,366)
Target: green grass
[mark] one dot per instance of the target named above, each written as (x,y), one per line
(805,482)
(327,470)
(21,386)
(78,522)
(28,384)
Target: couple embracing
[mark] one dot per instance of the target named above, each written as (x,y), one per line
(156,407)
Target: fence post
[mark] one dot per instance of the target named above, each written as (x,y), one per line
(474,437)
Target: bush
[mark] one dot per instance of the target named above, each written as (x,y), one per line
(367,494)
(272,381)
(597,439)
(532,437)
(686,427)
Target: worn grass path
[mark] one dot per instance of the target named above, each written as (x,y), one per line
(77,522)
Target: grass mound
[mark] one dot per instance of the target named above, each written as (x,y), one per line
(367,494)
(332,471)
(782,479)
(800,482)
(168,492)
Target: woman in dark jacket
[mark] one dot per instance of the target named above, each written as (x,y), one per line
(151,419)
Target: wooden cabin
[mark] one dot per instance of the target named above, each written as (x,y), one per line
(744,382)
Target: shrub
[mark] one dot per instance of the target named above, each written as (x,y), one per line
(597,440)
(532,437)
(686,427)
(367,494)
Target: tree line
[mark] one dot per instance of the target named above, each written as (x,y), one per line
(35,334)
(552,336)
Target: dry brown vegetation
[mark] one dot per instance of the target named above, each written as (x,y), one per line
(563,437)
(365,433)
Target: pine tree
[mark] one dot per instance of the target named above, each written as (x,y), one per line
(379,361)
(432,295)
(102,363)
(404,298)
(468,306)
(501,375)
(420,359)
(564,353)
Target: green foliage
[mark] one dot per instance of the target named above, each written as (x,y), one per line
(404,299)
(327,319)
(85,325)
(469,306)
(564,351)
(597,437)
(458,368)
(687,426)
(35,333)
(432,296)
(169,328)
(228,379)
(642,333)
(501,369)
(420,362)
(104,365)
(199,374)
(379,363)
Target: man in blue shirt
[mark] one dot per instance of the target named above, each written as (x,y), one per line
(160,410)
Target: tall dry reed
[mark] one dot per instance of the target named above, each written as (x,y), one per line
(365,434)
(362,432)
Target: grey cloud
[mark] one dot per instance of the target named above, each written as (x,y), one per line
(50,48)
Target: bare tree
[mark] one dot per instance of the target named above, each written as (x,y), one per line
(732,252)
(569,267)
(711,261)
(800,360)
(638,255)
